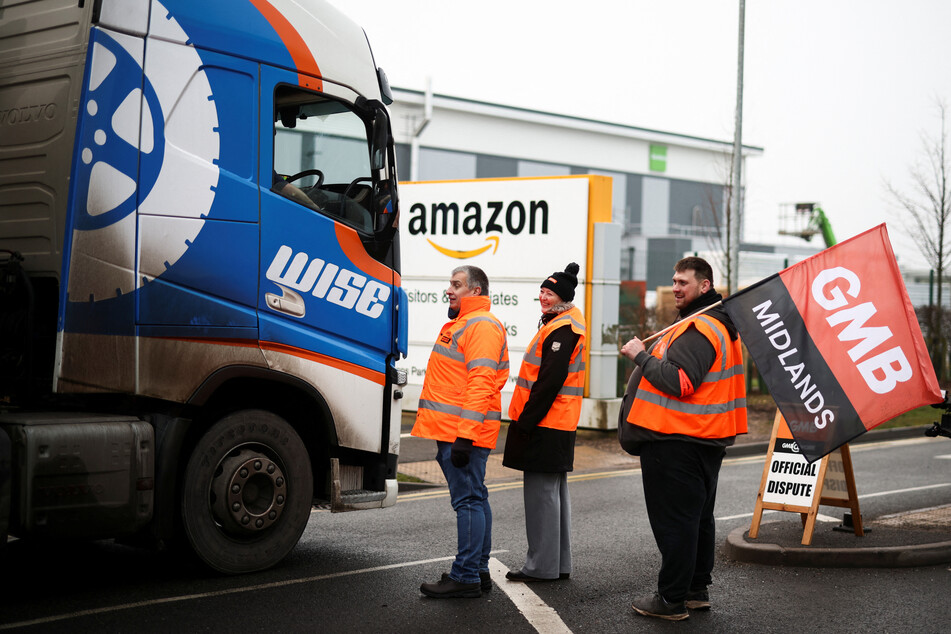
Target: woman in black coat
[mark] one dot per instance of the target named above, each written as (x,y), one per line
(541,438)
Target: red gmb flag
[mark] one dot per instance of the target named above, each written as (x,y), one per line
(836,339)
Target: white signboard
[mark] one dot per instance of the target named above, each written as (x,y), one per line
(519,231)
(791,479)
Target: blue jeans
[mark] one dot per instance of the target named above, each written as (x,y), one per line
(470,501)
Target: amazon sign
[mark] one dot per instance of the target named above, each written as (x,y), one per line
(492,223)
(443,219)
(518,230)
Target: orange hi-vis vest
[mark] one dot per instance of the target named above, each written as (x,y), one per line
(566,410)
(716,408)
(469,365)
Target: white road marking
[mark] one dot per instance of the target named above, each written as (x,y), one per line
(861,497)
(539,615)
(219,593)
(912,489)
(819,516)
(930,508)
(727,518)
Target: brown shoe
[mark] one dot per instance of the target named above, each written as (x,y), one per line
(656,606)
(697,600)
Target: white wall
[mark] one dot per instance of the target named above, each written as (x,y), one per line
(545,138)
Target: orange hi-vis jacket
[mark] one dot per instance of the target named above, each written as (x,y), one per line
(469,365)
(716,408)
(566,410)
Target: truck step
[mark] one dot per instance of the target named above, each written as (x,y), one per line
(357,496)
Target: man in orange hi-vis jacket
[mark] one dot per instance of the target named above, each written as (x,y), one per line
(689,405)
(460,408)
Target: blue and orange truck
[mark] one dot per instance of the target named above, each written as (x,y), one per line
(200,301)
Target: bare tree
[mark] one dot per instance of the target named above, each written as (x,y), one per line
(714,215)
(927,208)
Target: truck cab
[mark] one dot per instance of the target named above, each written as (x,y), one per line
(199,251)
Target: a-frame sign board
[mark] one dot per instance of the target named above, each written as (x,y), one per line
(791,484)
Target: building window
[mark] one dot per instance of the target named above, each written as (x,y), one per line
(441,165)
(627,263)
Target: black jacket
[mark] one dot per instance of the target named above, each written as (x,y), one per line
(529,447)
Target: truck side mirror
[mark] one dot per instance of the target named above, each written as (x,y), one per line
(379,139)
(288,117)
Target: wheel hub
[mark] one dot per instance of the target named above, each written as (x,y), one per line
(250,492)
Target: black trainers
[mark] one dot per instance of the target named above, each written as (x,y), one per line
(697,600)
(485,579)
(656,606)
(448,588)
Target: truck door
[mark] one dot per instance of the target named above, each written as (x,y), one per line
(326,306)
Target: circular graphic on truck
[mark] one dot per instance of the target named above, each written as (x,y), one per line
(111,160)
(147,161)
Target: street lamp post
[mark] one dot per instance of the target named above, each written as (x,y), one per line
(736,195)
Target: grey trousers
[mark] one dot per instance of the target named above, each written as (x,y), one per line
(547,524)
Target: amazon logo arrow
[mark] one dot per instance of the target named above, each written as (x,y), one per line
(462,255)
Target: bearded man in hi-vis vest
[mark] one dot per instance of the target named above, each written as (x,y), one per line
(460,408)
(545,409)
(689,405)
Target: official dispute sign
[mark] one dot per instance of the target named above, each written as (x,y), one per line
(791,479)
(837,341)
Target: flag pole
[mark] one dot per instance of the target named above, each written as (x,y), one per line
(677,323)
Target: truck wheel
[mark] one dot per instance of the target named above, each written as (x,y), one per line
(247,492)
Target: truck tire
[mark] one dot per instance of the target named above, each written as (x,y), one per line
(247,492)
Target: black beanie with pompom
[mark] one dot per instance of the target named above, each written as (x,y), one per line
(563,283)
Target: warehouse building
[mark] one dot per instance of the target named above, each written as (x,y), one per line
(669,191)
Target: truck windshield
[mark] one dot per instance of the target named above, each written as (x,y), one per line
(322,157)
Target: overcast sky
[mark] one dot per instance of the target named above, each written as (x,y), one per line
(838,93)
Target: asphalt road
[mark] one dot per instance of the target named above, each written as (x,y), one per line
(360,572)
